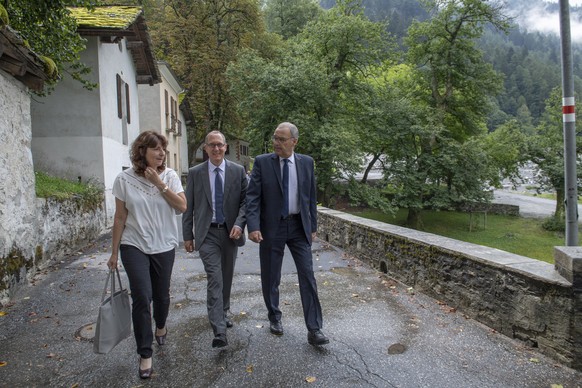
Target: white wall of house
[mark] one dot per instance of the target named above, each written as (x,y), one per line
(184,152)
(153,114)
(77,132)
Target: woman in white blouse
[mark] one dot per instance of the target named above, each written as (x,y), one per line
(148,197)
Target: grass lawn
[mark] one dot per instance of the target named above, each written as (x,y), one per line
(522,236)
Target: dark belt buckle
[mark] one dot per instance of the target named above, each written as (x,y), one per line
(218,226)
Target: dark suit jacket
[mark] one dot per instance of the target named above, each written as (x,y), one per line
(265,195)
(198,215)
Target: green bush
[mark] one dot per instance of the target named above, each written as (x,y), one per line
(554,224)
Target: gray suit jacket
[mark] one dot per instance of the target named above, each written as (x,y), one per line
(198,216)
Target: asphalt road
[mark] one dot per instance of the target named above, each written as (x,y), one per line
(529,206)
(382,334)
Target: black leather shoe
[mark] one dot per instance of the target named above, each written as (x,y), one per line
(316,337)
(276,328)
(228,322)
(144,373)
(161,339)
(219,341)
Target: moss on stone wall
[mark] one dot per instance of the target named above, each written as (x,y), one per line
(11,266)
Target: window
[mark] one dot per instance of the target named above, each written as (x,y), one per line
(127,105)
(167,109)
(123,106)
(173,114)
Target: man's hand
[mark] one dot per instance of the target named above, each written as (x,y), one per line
(256,236)
(235,232)
(189,246)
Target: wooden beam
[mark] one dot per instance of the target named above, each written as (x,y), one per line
(132,45)
(12,65)
(145,79)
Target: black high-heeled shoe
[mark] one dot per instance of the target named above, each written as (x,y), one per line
(161,339)
(144,373)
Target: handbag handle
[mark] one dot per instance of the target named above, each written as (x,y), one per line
(111,276)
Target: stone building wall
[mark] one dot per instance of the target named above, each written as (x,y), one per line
(519,297)
(18,230)
(33,232)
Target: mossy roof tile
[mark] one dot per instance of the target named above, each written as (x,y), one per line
(114,17)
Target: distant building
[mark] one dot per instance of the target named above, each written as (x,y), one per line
(238,152)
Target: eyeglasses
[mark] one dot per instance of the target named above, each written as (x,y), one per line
(278,139)
(215,145)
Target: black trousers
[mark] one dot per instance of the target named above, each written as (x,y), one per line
(290,232)
(149,281)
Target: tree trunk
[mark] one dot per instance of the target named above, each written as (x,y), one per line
(560,212)
(369,167)
(414,219)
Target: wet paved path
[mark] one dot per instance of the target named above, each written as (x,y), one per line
(382,334)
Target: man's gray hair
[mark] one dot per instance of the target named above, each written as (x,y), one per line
(292,128)
(215,133)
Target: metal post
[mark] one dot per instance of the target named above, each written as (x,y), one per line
(569,120)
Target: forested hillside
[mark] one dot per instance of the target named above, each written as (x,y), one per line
(529,60)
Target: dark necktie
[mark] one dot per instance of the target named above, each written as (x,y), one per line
(218,197)
(285,209)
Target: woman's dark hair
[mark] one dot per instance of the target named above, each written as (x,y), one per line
(145,140)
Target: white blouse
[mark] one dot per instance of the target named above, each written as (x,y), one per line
(151,224)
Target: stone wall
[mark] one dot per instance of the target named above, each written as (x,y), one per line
(519,297)
(17,197)
(33,232)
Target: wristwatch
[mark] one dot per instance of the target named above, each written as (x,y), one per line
(165,189)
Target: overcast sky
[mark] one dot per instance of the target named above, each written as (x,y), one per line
(538,19)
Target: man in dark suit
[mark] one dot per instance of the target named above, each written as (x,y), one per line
(216,192)
(282,210)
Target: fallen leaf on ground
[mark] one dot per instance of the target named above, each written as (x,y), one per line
(2,313)
(250,368)
(3,363)
(310,379)
(534,360)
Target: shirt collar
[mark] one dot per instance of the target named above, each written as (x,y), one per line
(290,158)
(212,167)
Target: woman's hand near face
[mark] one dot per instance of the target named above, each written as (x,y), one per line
(153,176)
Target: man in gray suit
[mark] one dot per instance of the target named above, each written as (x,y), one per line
(216,191)
(282,211)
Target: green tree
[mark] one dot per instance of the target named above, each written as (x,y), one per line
(288,17)
(452,89)
(199,39)
(507,150)
(312,81)
(50,30)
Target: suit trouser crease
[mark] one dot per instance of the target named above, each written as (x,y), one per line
(218,254)
(290,233)
(149,281)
